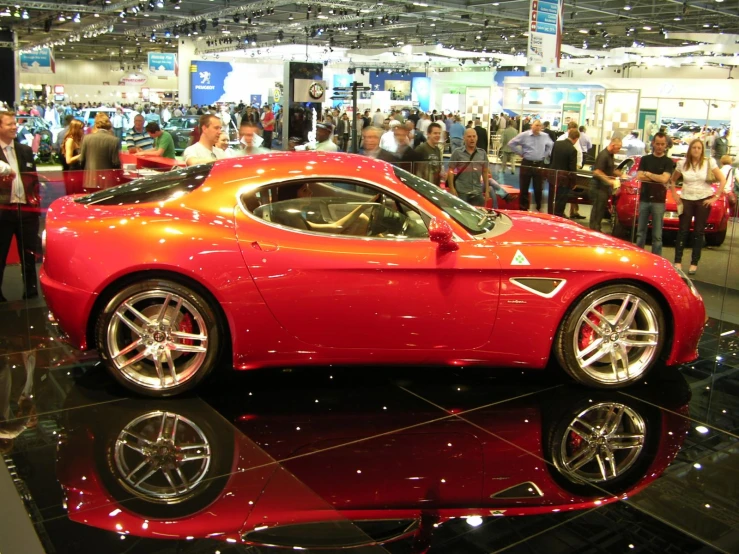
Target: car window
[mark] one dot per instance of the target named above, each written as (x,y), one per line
(471,218)
(157,188)
(336,208)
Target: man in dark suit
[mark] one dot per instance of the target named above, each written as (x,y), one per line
(19,203)
(482,136)
(564,160)
(99,155)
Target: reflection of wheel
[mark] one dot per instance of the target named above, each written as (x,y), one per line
(602,445)
(611,337)
(165,461)
(158,337)
(715,239)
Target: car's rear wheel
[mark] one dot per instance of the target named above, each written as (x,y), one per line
(158,338)
(611,337)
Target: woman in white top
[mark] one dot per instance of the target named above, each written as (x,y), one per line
(698,195)
(732,181)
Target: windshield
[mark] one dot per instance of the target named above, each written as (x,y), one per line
(471,218)
(181,123)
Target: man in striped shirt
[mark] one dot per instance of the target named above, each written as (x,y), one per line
(137,138)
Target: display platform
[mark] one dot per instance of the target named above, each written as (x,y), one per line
(379,459)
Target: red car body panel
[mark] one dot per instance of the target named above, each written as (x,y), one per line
(293,297)
(627,206)
(336,470)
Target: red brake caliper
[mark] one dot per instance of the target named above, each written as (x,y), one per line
(574,441)
(587,334)
(186,326)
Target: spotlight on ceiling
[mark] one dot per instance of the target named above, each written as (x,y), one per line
(203,25)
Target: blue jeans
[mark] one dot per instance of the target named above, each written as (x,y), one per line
(657,211)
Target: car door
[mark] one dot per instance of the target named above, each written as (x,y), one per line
(388,290)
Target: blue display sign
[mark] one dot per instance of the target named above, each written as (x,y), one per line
(255,100)
(421,92)
(161,63)
(545,28)
(546,7)
(207,81)
(39,60)
(548,18)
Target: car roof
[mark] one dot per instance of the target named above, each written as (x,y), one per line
(241,173)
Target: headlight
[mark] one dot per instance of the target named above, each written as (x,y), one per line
(688,282)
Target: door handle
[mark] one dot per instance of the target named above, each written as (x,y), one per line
(264,246)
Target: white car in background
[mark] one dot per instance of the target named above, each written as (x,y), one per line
(88,115)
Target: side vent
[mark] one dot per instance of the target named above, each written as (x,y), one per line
(541,286)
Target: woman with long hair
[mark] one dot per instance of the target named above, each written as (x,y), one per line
(71,156)
(698,195)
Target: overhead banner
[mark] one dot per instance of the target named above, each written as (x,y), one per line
(163,64)
(545,34)
(40,60)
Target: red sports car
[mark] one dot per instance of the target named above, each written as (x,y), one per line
(627,208)
(318,258)
(179,470)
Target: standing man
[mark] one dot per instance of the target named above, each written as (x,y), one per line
(552,134)
(430,164)
(533,146)
(564,161)
(138,139)
(268,125)
(249,141)
(163,143)
(605,178)
(19,201)
(343,129)
(99,155)
(204,151)
(371,141)
(655,171)
(323,138)
(378,118)
(119,121)
(403,155)
(505,152)
(467,167)
(585,143)
(482,136)
(456,133)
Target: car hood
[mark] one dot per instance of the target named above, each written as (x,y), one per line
(544,229)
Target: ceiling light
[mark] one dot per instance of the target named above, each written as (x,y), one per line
(627,7)
(24,15)
(583,31)
(647,28)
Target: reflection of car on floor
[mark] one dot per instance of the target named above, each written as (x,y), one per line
(181,129)
(316,258)
(354,475)
(627,208)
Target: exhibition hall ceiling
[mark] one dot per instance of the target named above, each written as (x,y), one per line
(452,30)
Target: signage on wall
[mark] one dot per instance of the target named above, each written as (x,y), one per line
(309,90)
(58,89)
(545,33)
(163,64)
(133,79)
(40,60)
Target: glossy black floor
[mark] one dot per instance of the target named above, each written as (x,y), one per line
(382,459)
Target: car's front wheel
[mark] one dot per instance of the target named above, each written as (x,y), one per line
(611,337)
(158,337)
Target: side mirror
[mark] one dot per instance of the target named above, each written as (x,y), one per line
(441,233)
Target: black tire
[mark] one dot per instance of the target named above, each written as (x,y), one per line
(715,239)
(568,442)
(613,364)
(147,305)
(116,457)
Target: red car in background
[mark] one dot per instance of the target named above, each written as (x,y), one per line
(287,475)
(626,214)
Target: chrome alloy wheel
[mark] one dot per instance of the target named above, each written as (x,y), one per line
(601,443)
(162,456)
(157,339)
(616,338)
